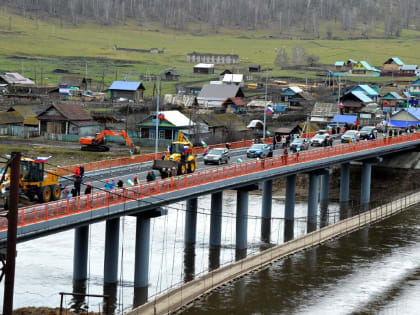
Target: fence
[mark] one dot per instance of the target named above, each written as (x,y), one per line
(176,298)
(19,131)
(56,209)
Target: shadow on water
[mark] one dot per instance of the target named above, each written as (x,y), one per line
(78,303)
(110,304)
(189,262)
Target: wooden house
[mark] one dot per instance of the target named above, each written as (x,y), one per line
(254,68)
(171,75)
(393,64)
(414,88)
(204,68)
(234,105)
(354,101)
(129,90)
(392,99)
(213,95)
(364,68)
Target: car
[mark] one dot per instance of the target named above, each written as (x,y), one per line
(302,143)
(217,156)
(350,134)
(368,131)
(319,140)
(321,132)
(260,150)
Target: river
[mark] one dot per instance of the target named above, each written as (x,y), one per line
(372,271)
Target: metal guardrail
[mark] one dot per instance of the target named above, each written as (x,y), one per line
(60,208)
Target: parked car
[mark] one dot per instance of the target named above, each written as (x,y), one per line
(321,132)
(260,150)
(319,140)
(350,134)
(367,131)
(299,142)
(217,156)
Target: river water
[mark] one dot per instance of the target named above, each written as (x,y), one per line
(372,271)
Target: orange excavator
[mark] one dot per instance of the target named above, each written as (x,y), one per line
(97,144)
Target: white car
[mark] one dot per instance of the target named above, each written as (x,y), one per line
(354,135)
(319,140)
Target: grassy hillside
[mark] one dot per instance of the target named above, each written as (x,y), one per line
(30,45)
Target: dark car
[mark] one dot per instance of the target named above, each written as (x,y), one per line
(301,143)
(217,156)
(260,150)
(368,131)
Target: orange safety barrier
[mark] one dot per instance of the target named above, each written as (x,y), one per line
(52,210)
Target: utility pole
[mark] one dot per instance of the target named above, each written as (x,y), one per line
(265,107)
(12,217)
(157,119)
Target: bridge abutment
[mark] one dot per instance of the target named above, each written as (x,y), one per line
(289,210)
(267,202)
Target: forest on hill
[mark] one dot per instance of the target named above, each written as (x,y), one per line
(389,17)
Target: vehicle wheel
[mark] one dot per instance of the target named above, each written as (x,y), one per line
(270,154)
(192,167)
(56,192)
(205,163)
(182,169)
(44,194)
(219,162)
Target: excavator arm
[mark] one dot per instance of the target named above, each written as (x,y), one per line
(97,143)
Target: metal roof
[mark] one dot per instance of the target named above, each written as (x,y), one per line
(16,78)
(339,63)
(295,89)
(366,89)
(219,92)
(362,96)
(177,118)
(409,67)
(349,119)
(126,85)
(236,78)
(393,95)
(415,83)
(396,60)
(204,65)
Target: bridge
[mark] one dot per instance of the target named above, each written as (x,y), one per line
(146,200)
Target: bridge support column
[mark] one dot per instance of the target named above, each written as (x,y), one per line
(325,188)
(191,221)
(141,261)
(365,186)
(112,238)
(313,202)
(289,211)
(241,223)
(267,199)
(80,257)
(215,229)
(344,190)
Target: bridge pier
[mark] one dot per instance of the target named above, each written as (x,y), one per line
(215,229)
(190,232)
(325,189)
(267,202)
(141,261)
(112,238)
(241,223)
(344,190)
(289,208)
(81,248)
(365,186)
(313,202)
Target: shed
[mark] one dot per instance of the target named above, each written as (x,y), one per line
(254,68)
(130,90)
(205,68)
(172,121)
(409,69)
(11,119)
(213,95)
(171,75)
(15,78)
(237,79)
(67,119)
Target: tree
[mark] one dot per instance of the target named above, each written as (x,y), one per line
(312,60)
(281,59)
(298,55)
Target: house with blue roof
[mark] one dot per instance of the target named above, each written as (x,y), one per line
(364,68)
(414,88)
(366,89)
(405,118)
(355,101)
(339,65)
(126,90)
(393,64)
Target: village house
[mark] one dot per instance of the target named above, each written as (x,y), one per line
(324,112)
(350,64)
(340,66)
(354,101)
(237,79)
(66,119)
(393,64)
(171,122)
(295,96)
(224,127)
(405,118)
(254,68)
(414,88)
(366,89)
(411,70)
(8,120)
(364,68)
(129,90)
(392,99)
(171,75)
(258,105)
(11,78)
(204,68)
(220,59)
(213,95)
(180,100)
(234,105)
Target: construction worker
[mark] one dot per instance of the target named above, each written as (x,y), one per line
(150,176)
(77,185)
(135,180)
(77,171)
(120,183)
(107,185)
(112,183)
(88,189)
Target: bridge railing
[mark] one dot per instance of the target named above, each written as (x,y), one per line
(101,199)
(123,161)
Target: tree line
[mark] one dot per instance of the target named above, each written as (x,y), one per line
(390,15)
